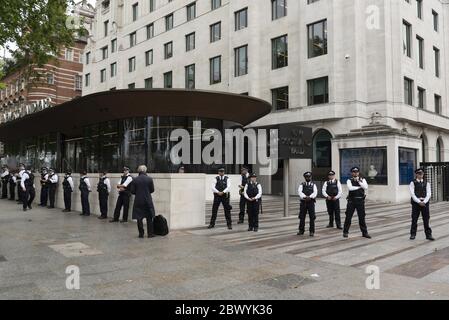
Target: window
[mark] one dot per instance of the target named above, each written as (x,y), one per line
(87,57)
(132,86)
(407,165)
(241,61)
(69,54)
(102,75)
(135,11)
(149,57)
(215,70)
(132,39)
(407,38)
(150,31)
(280,98)
(437,61)
(152,5)
(408,91)
(215,4)
(436,22)
(87,80)
(113,69)
(50,79)
(190,41)
(278,9)
(148,83)
(105,28)
(420,52)
(279,52)
(191,11)
(322,149)
(317,33)
(421,98)
(215,32)
(113,45)
(318,91)
(169,22)
(439,150)
(371,161)
(419,8)
(241,19)
(168,80)
(168,50)
(104,52)
(190,76)
(78,82)
(132,64)
(437,104)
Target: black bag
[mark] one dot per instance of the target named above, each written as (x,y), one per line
(160,226)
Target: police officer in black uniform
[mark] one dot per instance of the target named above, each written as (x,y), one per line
(332,191)
(253,195)
(18,183)
(357,187)
(221,188)
(244,177)
(124,196)
(28,189)
(12,185)
(85,189)
(5,176)
(68,187)
(52,184)
(104,189)
(44,187)
(421,192)
(307,192)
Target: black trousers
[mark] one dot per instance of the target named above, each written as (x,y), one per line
(44,196)
(353,205)
(150,227)
(304,208)
(122,201)
(243,203)
(85,202)
(103,200)
(12,191)
(28,196)
(52,194)
(227,209)
(68,199)
(4,190)
(333,210)
(425,212)
(253,214)
(19,193)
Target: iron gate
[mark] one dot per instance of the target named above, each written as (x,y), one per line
(437,173)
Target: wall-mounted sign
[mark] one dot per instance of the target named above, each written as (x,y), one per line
(295,142)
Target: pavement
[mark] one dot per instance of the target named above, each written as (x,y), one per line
(38,246)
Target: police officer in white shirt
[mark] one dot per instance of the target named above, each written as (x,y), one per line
(18,180)
(52,183)
(421,192)
(124,196)
(68,188)
(28,188)
(5,180)
(85,189)
(244,177)
(332,191)
(307,192)
(253,194)
(221,188)
(104,189)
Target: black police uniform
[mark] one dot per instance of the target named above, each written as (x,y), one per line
(307,207)
(51,190)
(356,201)
(84,197)
(5,181)
(253,206)
(420,192)
(12,188)
(67,189)
(30,193)
(243,201)
(103,195)
(44,190)
(221,184)
(123,201)
(19,188)
(333,206)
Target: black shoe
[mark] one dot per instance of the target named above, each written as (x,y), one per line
(329,226)
(50,207)
(29,207)
(339,228)
(366,236)
(113,220)
(412,237)
(345,235)
(241,222)
(430,238)
(140,235)
(102,218)
(24,209)
(256,230)
(250,229)
(82,214)
(229,227)
(123,221)
(151,236)
(211,226)
(312,234)
(300,233)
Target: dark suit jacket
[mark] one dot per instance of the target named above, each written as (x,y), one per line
(142,187)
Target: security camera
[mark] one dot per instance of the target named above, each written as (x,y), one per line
(347,57)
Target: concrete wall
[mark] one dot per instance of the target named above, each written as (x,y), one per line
(179,198)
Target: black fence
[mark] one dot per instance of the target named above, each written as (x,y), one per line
(437,173)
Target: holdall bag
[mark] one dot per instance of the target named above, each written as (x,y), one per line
(160,226)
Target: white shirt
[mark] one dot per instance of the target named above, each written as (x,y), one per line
(302,196)
(107,182)
(70,181)
(5,173)
(228,185)
(25,177)
(428,191)
(340,189)
(21,172)
(362,182)
(128,180)
(45,178)
(86,180)
(259,194)
(53,179)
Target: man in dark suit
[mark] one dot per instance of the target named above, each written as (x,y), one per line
(142,187)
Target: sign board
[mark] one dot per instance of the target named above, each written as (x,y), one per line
(295,142)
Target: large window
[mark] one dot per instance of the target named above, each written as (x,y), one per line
(278,9)
(317,38)
(280,98)
(407,165)
(436,52)
(190,76)
(241,61)
(407,38)
(279,52)
(168,80)
(371,161)
(135,11)
(132,64)
(318,91)
(150,31)
(190,41)
(169,22)
(168,50)
(215,4)
(191,11)
(215,70)
(322,149)
(215,32)
(408,91)
(420,52)
(241,19)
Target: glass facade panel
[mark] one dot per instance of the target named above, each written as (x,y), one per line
(371,161)
(407,165)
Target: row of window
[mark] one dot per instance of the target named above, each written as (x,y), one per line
(409,96)
(420,14)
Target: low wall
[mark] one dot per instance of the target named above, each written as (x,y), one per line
(179,198)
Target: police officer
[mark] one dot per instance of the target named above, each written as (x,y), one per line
(332,191)
(52,183)
(44,187)
(5,176)
(181,170)
(357,187)
(68,187)
(85,189)
(221,188)
(18,183)
(253,194)
(28,189)
(308,192)
(421,193)
(124,195)
(104,189)
(12,185)
(244,177)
